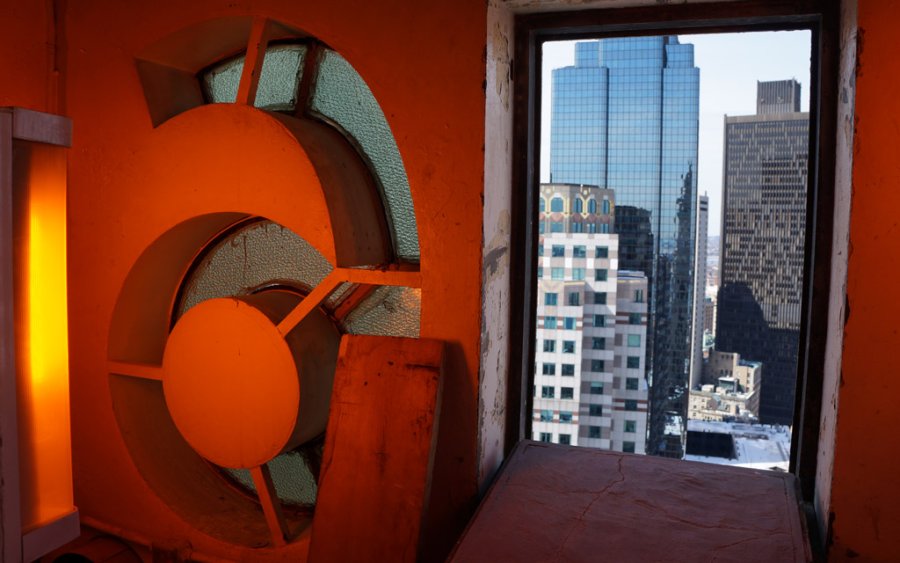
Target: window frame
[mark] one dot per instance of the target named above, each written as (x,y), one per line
(821,18)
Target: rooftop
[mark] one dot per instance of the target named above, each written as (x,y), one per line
(757,446)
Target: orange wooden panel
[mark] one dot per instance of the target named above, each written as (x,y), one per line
(379,448)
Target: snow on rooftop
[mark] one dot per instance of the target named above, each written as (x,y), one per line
(758,446)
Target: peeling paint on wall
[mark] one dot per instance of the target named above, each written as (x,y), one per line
(502,57)
(495,303)
(839,306)
(861,487)
(497,251)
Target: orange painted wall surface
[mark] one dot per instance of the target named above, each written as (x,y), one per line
(866,484)
(424,63)
(24,54)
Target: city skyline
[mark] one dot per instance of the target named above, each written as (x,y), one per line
(726,88)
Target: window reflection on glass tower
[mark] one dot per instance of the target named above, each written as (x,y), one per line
(625,118)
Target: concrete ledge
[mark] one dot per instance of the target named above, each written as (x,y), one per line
(562,503)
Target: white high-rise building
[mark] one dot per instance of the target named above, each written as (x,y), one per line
(590,388)
(630,390)
(699,292)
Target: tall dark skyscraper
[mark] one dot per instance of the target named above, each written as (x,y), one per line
(763,225)
(625,118)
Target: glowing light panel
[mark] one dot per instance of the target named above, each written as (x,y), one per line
(45,460)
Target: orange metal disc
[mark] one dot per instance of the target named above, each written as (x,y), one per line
(231,384)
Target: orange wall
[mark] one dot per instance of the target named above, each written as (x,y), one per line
(24,54)
(866,482)
(424,63)
(423,60)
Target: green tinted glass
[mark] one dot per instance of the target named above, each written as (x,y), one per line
(342,96)
(389,311)
(280,78)
(293,480)
(221,83)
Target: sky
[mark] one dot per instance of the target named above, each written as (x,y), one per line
(730,65)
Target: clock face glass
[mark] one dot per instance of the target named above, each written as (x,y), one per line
(226,294)
(262,256)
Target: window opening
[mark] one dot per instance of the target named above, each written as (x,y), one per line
(556,205)
(632,133)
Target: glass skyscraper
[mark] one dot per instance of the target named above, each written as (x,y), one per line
(625,118)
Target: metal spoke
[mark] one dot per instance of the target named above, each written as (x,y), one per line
(134,369)
(271,506)
(338,276)
(253,61)
(310,302)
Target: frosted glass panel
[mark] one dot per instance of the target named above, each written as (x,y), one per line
(280,77)
(389,311)
(342,96)
(260,253)
(221,83)
(294,482)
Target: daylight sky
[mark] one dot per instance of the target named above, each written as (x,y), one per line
(730,65)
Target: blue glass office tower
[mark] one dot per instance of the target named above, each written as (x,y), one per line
(625,118)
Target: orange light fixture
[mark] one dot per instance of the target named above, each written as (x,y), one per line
(38,510)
